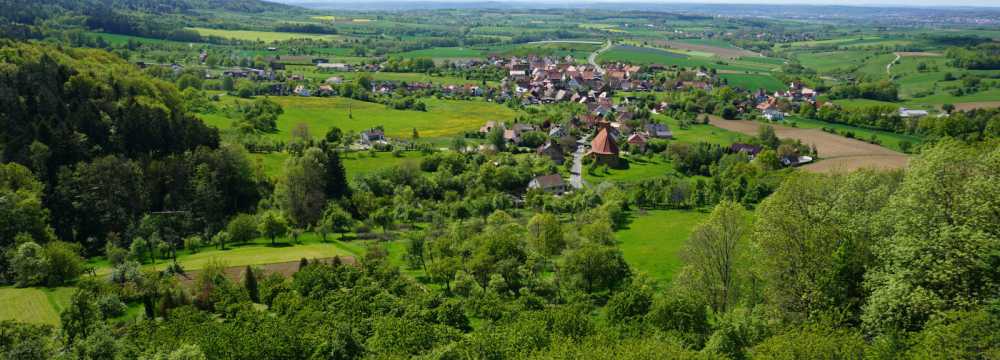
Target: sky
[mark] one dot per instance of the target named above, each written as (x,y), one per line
(950,3)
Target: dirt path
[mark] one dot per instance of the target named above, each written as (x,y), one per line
(836,153)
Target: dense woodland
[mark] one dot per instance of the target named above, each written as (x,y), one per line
(103,162)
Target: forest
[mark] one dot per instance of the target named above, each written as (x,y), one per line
(183,213)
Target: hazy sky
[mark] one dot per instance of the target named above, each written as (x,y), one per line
(995,3)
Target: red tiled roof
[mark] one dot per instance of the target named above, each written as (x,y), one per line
(603,143)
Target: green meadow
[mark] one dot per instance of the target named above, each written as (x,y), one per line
(443,118)
(34,305)
(443,53)
(652,242)
(754,81)
(256,252)
(355,163)
(639,168)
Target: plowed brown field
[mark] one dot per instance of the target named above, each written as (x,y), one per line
(836,153)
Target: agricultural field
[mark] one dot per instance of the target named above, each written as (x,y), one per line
(265,36)
(34,305)
(652,241)
(443,118)
(890,140)
(310,72)
(715,47)
(577,49)
(443,53)
(754,81)
(836,153)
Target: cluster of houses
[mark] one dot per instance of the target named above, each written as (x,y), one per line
(769,106)
(547,80)
(753,150)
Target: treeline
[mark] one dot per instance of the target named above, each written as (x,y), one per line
(979,57)
(882,91)
(879,117)
(305,28)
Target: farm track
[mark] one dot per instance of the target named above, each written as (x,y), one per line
(836,153)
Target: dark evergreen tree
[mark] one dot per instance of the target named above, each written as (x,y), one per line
(250,283)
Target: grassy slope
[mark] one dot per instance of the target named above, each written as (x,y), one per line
(652,242)
(442,118)
(34,305)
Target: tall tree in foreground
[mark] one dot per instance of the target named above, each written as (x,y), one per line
(813,240)
(944,252)
(716,258)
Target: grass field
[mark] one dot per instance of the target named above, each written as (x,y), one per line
(443,53)
(639,168)
(34,305)
(652,241)
(255,252)
(442,118)
(754,81)
(579,51)
(266,36)
(354,163)
(700,132)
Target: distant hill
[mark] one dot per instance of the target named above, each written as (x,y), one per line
(164,19)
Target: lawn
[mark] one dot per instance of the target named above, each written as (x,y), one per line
(34,305)
(266,36)
(443,118)
(652,241)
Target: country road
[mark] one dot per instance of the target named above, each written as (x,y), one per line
(592,59)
